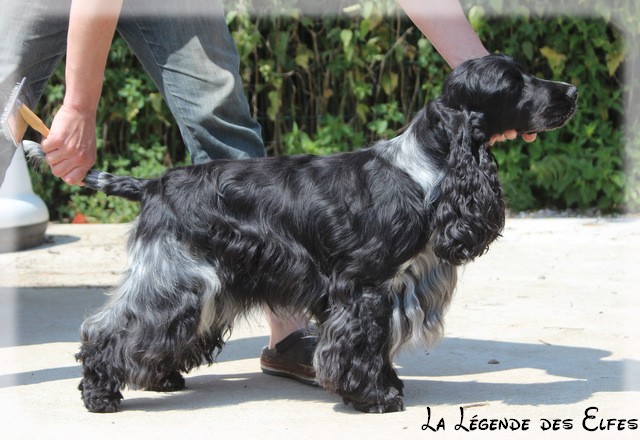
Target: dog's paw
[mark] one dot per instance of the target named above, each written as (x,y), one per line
(393,402)
(393,405)
(100,401)
(172,382)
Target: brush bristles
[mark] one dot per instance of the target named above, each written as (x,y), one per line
(6,131)
(7,115)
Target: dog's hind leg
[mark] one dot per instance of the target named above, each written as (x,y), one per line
(121,349)
(352,357)
(141,347)
(152,328)
(102,360)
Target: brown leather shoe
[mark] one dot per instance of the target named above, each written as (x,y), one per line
(292,357)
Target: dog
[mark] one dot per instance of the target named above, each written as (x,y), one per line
(367,243)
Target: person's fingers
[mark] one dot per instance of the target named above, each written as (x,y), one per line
(53,158)
(71,169)
(50,147)
(499,137)
(75,176)
(511,135)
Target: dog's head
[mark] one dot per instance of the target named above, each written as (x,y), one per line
(482,97)
(506,97)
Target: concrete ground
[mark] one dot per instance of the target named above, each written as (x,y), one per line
(544,327)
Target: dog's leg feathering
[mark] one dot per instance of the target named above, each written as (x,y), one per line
(352,357)
(153,326)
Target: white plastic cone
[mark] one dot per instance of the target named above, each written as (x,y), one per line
(23,215)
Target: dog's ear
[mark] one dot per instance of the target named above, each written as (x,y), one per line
(470,210)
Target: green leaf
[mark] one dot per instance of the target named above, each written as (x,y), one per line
(476,16)
(527,49)
(275,101)
(303,55)
(555,59)
(613,62)
(390,82)
(346,36)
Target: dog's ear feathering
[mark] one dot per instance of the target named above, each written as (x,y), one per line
(470,209)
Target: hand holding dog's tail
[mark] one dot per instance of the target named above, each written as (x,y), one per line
(122,186)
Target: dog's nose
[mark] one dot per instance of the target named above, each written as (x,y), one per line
(572,93)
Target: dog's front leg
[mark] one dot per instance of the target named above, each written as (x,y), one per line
(352,357)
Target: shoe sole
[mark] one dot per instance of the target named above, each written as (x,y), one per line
(273,371)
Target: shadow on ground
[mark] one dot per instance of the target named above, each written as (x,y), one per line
(457,371)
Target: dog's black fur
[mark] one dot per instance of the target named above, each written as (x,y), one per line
(366,242)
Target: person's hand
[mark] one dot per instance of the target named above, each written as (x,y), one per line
(510,135)
(71,145)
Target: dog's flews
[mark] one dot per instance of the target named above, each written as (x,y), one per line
(367,243)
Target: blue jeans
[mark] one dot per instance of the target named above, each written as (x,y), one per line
(185,47)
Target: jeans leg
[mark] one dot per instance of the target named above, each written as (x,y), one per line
(34,39)
(192,59)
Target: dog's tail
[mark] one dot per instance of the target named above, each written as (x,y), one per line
(122,186)
(112,185)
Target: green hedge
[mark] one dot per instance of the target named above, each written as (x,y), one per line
(322,84)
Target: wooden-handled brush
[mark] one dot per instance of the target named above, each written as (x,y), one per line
(17,115)
(33,120)
(15,119)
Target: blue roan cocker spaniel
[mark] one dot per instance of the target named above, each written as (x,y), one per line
(367,243)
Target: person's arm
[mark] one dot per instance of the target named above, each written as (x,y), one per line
(446,26)
(71,145)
